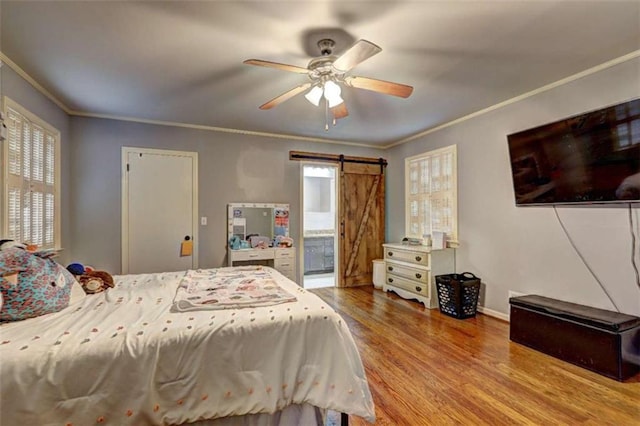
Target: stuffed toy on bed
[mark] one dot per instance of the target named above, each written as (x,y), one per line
(95,281)
(92,281)
(32,284)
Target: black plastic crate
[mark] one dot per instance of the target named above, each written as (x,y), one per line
(458,294)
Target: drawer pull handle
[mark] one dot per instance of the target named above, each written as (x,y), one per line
(390,253)
(390,280)
(418,276)
(390,268)
(418,258)
(418,288)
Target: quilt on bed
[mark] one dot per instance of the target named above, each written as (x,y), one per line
(229,288)
(124,358)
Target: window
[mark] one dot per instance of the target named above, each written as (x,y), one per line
(431,194)
(628,127)
(31,179)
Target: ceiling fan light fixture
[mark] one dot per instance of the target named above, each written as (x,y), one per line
(335,101)
(314,95)
(332,93)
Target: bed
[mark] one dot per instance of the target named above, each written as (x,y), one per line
(134,355)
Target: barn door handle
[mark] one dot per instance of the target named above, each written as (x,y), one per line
(342,229)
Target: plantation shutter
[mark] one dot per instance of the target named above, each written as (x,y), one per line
(31,181)
(431,194)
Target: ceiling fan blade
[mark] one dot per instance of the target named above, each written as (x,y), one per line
(360,51)
(381,86)
(285,96)
(340,111)
(284,67)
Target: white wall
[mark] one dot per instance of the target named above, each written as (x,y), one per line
(232,168)
(524,248)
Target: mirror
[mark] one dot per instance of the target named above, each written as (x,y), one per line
(263,219)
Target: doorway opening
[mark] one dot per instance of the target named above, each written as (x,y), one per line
(319,200)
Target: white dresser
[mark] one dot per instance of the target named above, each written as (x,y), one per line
(410,271)
(282,259)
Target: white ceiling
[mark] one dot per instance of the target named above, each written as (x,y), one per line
(181,61)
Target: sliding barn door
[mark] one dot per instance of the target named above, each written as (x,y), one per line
(361,214)
(361,222)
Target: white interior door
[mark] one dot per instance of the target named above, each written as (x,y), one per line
(159,210)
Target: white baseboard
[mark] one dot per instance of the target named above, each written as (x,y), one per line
(492,313)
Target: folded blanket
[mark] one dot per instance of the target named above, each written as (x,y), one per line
(229,288)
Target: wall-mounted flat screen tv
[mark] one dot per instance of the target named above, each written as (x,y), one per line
(590,158)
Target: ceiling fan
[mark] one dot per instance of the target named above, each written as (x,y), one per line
(327,72)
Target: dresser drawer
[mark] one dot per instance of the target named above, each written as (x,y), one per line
(251,254)
(406,256)
(280,264)
(415,274)
(285,253)
(407,284)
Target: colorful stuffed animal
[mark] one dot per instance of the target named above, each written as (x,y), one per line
(32,284)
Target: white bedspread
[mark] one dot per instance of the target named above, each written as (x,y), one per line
(123,358)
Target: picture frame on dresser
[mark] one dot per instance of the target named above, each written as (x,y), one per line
(268,220)
(410,271)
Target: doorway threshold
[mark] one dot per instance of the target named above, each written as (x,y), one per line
(319,280)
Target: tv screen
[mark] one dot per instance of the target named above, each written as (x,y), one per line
(590,158)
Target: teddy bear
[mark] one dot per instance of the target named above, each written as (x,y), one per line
(95,281)
(91,280)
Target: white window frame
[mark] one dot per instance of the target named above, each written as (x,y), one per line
(33,184)
(451,193)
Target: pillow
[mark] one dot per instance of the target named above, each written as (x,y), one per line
(42,287)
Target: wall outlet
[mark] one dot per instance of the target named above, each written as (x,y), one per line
(203,220)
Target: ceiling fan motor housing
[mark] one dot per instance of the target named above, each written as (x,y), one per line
(326,46)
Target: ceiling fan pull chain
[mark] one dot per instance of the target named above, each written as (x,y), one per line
(326,115)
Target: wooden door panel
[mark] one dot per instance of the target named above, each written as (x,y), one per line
(362,223)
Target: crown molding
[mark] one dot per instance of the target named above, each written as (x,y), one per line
(4,59)
(219,129)
(589,71)
(22,73)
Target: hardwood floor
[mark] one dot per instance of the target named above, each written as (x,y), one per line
(425,368)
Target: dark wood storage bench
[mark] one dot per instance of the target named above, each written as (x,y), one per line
(602,341)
